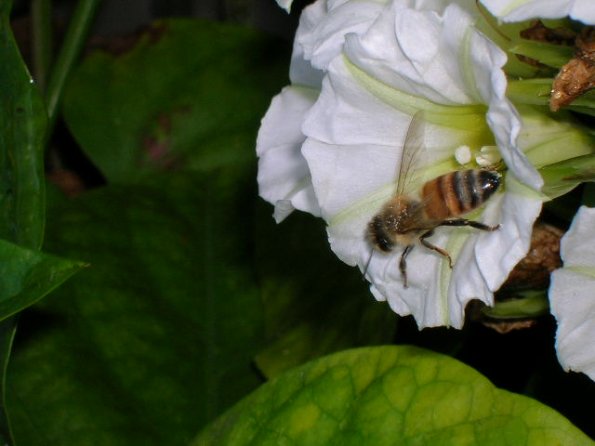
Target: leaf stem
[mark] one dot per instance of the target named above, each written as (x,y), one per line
(42,40)
(78,29)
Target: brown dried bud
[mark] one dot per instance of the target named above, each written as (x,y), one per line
(533,271)
(578,75)
(506,326)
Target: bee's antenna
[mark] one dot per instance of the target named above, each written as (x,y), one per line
(368,263)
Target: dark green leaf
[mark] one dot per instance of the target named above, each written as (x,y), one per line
(22,127)
(388,396)
(29,275)
(26,275)
(314,304)
(157,336)
(186,84)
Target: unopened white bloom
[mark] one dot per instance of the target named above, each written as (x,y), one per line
(572,295)
(518,10)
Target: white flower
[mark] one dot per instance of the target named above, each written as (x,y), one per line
(360,71)
(572,295)
(518,10)
(414,59)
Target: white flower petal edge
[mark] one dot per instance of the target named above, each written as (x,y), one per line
(354,140)
(285,4)
(283,175)
(572,295)
(518,10)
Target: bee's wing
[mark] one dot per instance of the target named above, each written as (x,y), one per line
(412,148)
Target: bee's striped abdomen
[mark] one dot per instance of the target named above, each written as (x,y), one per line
(458,192)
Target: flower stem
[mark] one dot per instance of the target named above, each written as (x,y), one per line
(42,40)
(78,29)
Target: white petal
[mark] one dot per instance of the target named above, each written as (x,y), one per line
(321,34)
(572,295)
(516,212)
(518,10)
(411,51)
(505,122)
(301,71)
(285,4)
(283,175)
(323,26)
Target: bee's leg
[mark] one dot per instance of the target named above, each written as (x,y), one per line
(465,222)
(428,245)
(403,264)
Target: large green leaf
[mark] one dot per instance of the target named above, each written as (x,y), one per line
(157,336)
(26,275)
(22,132)
(387,396)
(186,84)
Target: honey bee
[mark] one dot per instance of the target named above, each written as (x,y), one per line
(406,219)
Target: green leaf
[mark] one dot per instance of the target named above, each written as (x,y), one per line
(526,304)
(564,176)
(157,336)
(186,84)
(387,396)
(7,332)
(548,54)
(29,275)
(22,131)
(26,275)
(314,304)
(588,198)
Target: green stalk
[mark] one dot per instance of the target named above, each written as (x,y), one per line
(42,40)
(75,38)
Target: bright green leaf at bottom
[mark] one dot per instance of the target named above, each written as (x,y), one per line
(387,396)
